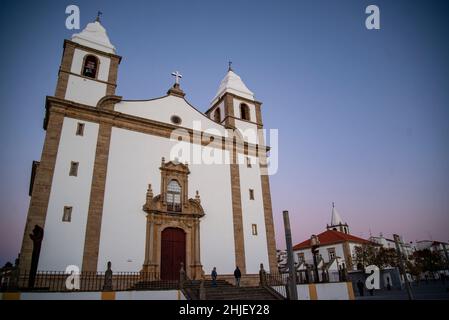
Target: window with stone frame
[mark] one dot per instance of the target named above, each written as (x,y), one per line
(74,169)
(331,252)
(80,129)
(174,196)
(90,66)
(67,214)
(254,229)
(248,162)
(244,112)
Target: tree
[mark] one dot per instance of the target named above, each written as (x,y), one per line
(370,254)
(387,257)
(427,260)
(365,255)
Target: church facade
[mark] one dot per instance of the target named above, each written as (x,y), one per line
(147,184)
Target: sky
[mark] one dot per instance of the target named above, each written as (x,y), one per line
(362,114)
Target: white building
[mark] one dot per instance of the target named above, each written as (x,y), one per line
(336,247)
(406,248)
(141,183)
(436,246)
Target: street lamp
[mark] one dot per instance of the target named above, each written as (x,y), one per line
(315,243)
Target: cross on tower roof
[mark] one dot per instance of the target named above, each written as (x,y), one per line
(177,76)
(99,13)
(229,65)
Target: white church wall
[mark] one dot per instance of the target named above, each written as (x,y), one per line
(256,251)
(134,161)
(217,227)
(77,64)
(164,108)
(84,91)
(63,242)
(248,131)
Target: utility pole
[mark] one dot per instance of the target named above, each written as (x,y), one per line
(402,266)
(293,293)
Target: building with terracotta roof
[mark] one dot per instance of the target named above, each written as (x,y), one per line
(334,248)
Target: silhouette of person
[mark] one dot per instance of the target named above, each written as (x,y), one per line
(360,287)
(237,275)
(214,277)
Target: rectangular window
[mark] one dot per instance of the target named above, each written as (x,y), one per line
(80,129)
(73,169)
(67,215)
(301,257)
(254,229)
(248,162)
(251,194)
(331,252)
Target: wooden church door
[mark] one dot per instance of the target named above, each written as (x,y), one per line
(173,252)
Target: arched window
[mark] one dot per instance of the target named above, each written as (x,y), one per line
(217,115)
(174,196)
(244,112)
(90,66)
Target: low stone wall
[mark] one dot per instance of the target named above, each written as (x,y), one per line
(114,295)
(322,291)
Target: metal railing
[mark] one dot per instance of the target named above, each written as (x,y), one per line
(59,281)
(279,281)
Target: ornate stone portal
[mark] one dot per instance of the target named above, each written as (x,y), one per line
(173,209)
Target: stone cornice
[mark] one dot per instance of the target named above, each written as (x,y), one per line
(130,122)
(82,47)
(88,78)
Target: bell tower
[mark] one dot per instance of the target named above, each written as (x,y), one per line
(337,223)
(235,107)
(89,66)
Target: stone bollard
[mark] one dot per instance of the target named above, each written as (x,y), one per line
(182,276)
(262,276)
(108,278)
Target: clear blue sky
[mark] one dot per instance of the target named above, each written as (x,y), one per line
(362,115)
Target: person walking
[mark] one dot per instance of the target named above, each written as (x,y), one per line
(214,277)
(237,275)
(360,287)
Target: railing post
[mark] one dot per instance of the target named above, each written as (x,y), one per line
(343,273)
(202,290)
(108,278)
(262,276)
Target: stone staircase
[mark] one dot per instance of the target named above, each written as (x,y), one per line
(226,291)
